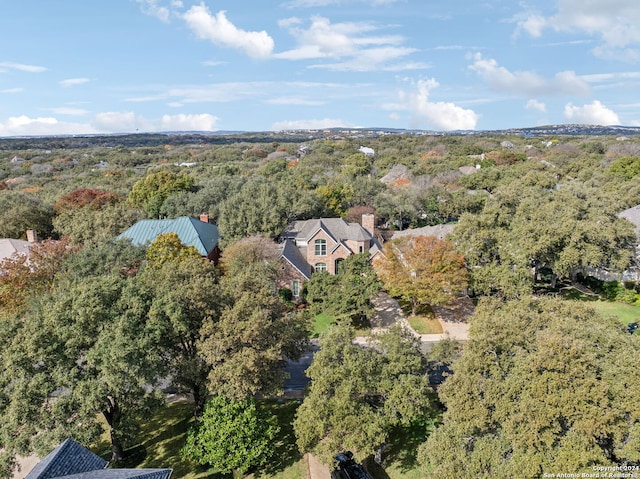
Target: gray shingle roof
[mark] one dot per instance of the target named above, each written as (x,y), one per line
(68,458)
(72,461)
(632,214)
(192,232)
(292,254)
(337,228)
(10,246)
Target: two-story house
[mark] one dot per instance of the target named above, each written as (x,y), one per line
(321,245)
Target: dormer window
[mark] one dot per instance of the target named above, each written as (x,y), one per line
(320,247)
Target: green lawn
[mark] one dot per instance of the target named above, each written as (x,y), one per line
(626,313)
(425,324)
(162,437)
(321,323)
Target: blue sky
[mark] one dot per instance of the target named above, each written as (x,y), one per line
(90,66)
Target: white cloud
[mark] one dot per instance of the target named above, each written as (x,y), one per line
(202,122)
(527,83)
(12,90)
(594,114)
(324,3)
(22,67)
(354,44)
(121,122)
(536,105)
(309,124)
(25,126)
(73,82)
(68,111)
(213,63)
(151,8)
(438,115)
(220,31)
(292,100)
(614,22)
(107,122)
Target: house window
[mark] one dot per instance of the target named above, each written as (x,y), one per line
(320,267)
(295,288)
(337,265)
(320,247)
(360,249)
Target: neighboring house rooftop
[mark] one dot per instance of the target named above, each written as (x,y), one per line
(9,247)
(439,231)
(338,228)
(70,460)
(192,232)
(632,214)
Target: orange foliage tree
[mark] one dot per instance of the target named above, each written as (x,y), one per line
(422,270)
(22,276)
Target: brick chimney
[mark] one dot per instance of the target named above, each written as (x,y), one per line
(369,222)
(204,217)
(32,236)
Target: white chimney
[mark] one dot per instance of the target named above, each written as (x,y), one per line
(32,236)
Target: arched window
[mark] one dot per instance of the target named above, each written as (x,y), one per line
(320,247)
(320,267)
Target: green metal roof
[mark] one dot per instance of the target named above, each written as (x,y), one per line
(192,232)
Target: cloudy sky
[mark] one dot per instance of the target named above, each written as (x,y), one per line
(117,66)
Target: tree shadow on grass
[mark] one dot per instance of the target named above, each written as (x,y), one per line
(286,451)
(405,442)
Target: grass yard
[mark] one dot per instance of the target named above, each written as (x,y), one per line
(425,324)
(321,323)
(163,436)
(626,313)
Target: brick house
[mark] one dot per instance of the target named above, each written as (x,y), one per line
(321,245)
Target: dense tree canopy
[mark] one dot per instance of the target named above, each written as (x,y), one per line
(544,386)
(150,192)
(359,394)
(422,270)
(233,436)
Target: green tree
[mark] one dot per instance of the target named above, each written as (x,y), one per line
(20,212)
(246,349)
(346,295)
(625,167)
(544,386)
(233,436)
(167,247)
(358,395)
(186,295)
(150,192)
(83,350)
(422,270)
(87,224)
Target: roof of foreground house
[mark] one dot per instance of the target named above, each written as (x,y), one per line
(192,232)
(70,460)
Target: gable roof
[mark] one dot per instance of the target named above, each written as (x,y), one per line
(72,461)
(337,228)
(192,232)
(10,246)
(292,254)
(68,458)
